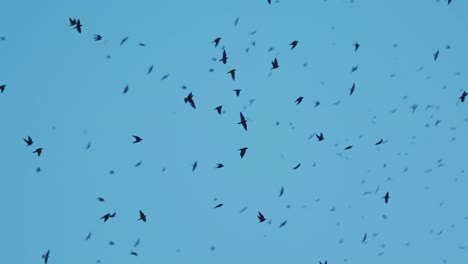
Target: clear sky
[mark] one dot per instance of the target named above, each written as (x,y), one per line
(65,91)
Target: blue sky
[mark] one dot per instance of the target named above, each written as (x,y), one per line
(65,91)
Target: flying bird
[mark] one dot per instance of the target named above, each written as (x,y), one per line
(123,41)
(72,21)
(219,109)
(125,89)
(281,191)
(449,1)
(293,44)
(297,166)
(274,64)
(348,147)
(219,165)
(194,165)
(78,26)
(218,206)
(150,69)
(260,217)
(38,151)
(46,256)
(386,197)
(2,88)
(364,238)
(142,217)
(436,55)
(224,58)
(320,137)
(354,68)
(216,42)
(379,142)
(107,216)
(100,199)
(283,224)
(137,139)
(133,253)
(233,74)
(243,121)
(269,2)
(463,96)
(237,92)
(356,46)
(189,99)
(88,236)
(97,37)
(299,100)
(351,90)
(28,141)
(242,152)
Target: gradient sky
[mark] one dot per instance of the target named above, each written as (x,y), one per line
(65,90)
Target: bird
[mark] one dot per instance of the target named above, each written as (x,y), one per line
(189,99)
(356,46)
(28,141)
(320,137)
(436,55)
(297,166)
(299,100)
(281,191)
(242,151)
(216,42)
(136,243)
(72,21)
(348,147)
(449,1)
(218,206)
(386,197)
(218,109)
(463,96)
(283,224)
(38,151)
(107,216)
(293,44)
(219,165)
(243,121)
(224,58)
(194,165)
(100,199)
(351,90)
(142,217)
(274,64)
(88,236)
(123,41)
(237,92)
(260,217)
(2,88)
(164,77)
(125,89)
(354,68)
(150,69)
(78,26)
(133,253)
(97,37)
(46,256)
(137,139)
(233,74)
(364,238)
(379,142)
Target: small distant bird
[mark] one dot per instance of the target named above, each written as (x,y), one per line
(274,64)
(219,165)
(164,77)
(260,217)
(356,46)
(243,210)
(354,68)
(2,88)
(386,197)
(88,146)
(351,90)
(320,137)
(297,166)
(283,223)
(137,139)
(100,199)
(123,41)
(224,58)
(125,89)
(107,216)
(379,142)
(281,191)
(219,205)
(97,37)
(142,217)
(243,121)
(293,44)
(233,74)
(463,96)
(216,42)
(269,2)
(299,100)
(38,151)
(28,141)
(72,21)
(242,151)
(88,236)
(237,92)
(364,238)
(436,55)
(150,69)
(194,165)
(449,1)
(78,26)
(189,99)
(219,109)
(46,256)
(133,253)
(236,22)
(348,147)
(136,243)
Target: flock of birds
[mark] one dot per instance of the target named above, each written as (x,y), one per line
(190,100)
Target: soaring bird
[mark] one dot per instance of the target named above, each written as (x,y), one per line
(242,151)
(78,26)
(142,217)
(123,41)
(224,58)
(293,44)
(194,165)
(133,253)
(233,74)
(320,137)
(386,197)
(28,141)
(348,147)
(218,206)
(351,90)
(100,199)
(125,89)
(436,55)
(243,121)
(299,100)
(354,68)
(274,64)
(216,42)
(283,223)
(189,99)
(281,191)
(72,21)
(150,69)
(97,37)
(219,109)
(88,236)
(46,256)
(379,142)
(137,139)
(297,166)
(219,165)
(463,96)
(260,217)
(2,88)
(237,92)
(38,151)
(356,46)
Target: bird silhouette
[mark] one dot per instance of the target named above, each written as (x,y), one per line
(189,99)
(133,253)
(46,256)
(150,69)
(137,139)
(354,68)
(281,191)
(194,166)
(274,64)
(88,236)
(237,92)
(218,109)
(218,206)
(219,165)
(293,44)
(78,26)
(436,55)
(356,46)
(320,137)
(348,147)
(28,141)
(2,88)
(108,216)
(364,238)
(386,197)
(123,41)
(379,142)
(125,89)
(351,90)
(463,96)
(72,21)
(142,217)
(260,217)
(299,100)
(243,121)
(283,224)
(97,37)
(38,151)
(242,151)
(297,166)
(100,199)
(224,58)
(233,74)
(216,42)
